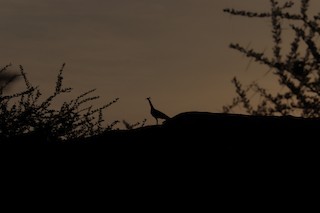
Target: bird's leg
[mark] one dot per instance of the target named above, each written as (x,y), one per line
(157,120)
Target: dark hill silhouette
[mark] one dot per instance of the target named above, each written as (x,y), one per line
(207,132)
(206,120)
(223,153)
(198,140)
(231,134)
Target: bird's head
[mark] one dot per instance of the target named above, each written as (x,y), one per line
(148,98)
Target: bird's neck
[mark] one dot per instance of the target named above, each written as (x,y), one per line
(150,104)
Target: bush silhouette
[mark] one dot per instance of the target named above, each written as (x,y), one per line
(130,126)
(296,69)
(23,113)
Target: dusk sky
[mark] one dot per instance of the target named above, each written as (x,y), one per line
(174,51)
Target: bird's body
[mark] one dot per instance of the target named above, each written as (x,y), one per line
(156,113)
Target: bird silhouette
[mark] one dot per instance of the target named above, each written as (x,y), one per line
(156,113)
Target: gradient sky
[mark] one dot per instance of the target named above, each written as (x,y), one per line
(175,51)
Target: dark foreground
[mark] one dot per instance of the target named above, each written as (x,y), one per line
(228,155)
(203,134)
(194,156)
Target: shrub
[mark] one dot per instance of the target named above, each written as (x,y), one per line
(130,126)
(297,69)
(23,113)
